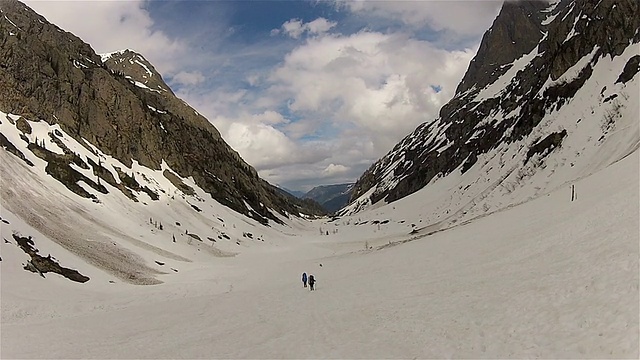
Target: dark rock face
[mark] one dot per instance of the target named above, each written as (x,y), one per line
(515,32)
(563,33)
(23,126)
(124,108)
(7,145)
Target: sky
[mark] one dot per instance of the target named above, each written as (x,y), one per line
(308,92)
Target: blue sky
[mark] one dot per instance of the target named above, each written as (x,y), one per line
(308,92)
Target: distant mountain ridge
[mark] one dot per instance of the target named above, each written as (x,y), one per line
(331,197)
(545,75)
(298,194)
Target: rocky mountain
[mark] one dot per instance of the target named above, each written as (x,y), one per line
(308,203)
(119,105)
(331,197)
(548,76)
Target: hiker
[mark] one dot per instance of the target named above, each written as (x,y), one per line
(312,281)
(304,279)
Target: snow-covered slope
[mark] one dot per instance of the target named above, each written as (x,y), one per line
(119,230)
(550,278)
(569,102)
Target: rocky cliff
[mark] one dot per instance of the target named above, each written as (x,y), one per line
(534,70)
(121,105)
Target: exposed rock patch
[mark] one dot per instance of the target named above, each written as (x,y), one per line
(630,70)
(175,180)
(23,126)
(43,265)
(58,166)
(546,145)
(7,145)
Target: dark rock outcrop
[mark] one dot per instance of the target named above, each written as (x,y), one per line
(515,32)
(42,265)
(631,68)
(7,145)
(546,145)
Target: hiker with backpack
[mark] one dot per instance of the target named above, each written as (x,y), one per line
(312,281)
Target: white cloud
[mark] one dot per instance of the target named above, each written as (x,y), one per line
(295,27)
(260,144)
(320,26)
(253,80)
(333,169)
(188,78)
(269,117)
(267,148)
(461,17)
(378,84)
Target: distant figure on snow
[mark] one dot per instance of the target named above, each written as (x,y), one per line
(304,279)
(312,281)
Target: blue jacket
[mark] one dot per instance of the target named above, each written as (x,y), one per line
(304,277)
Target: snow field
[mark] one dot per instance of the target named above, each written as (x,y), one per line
(550,278)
